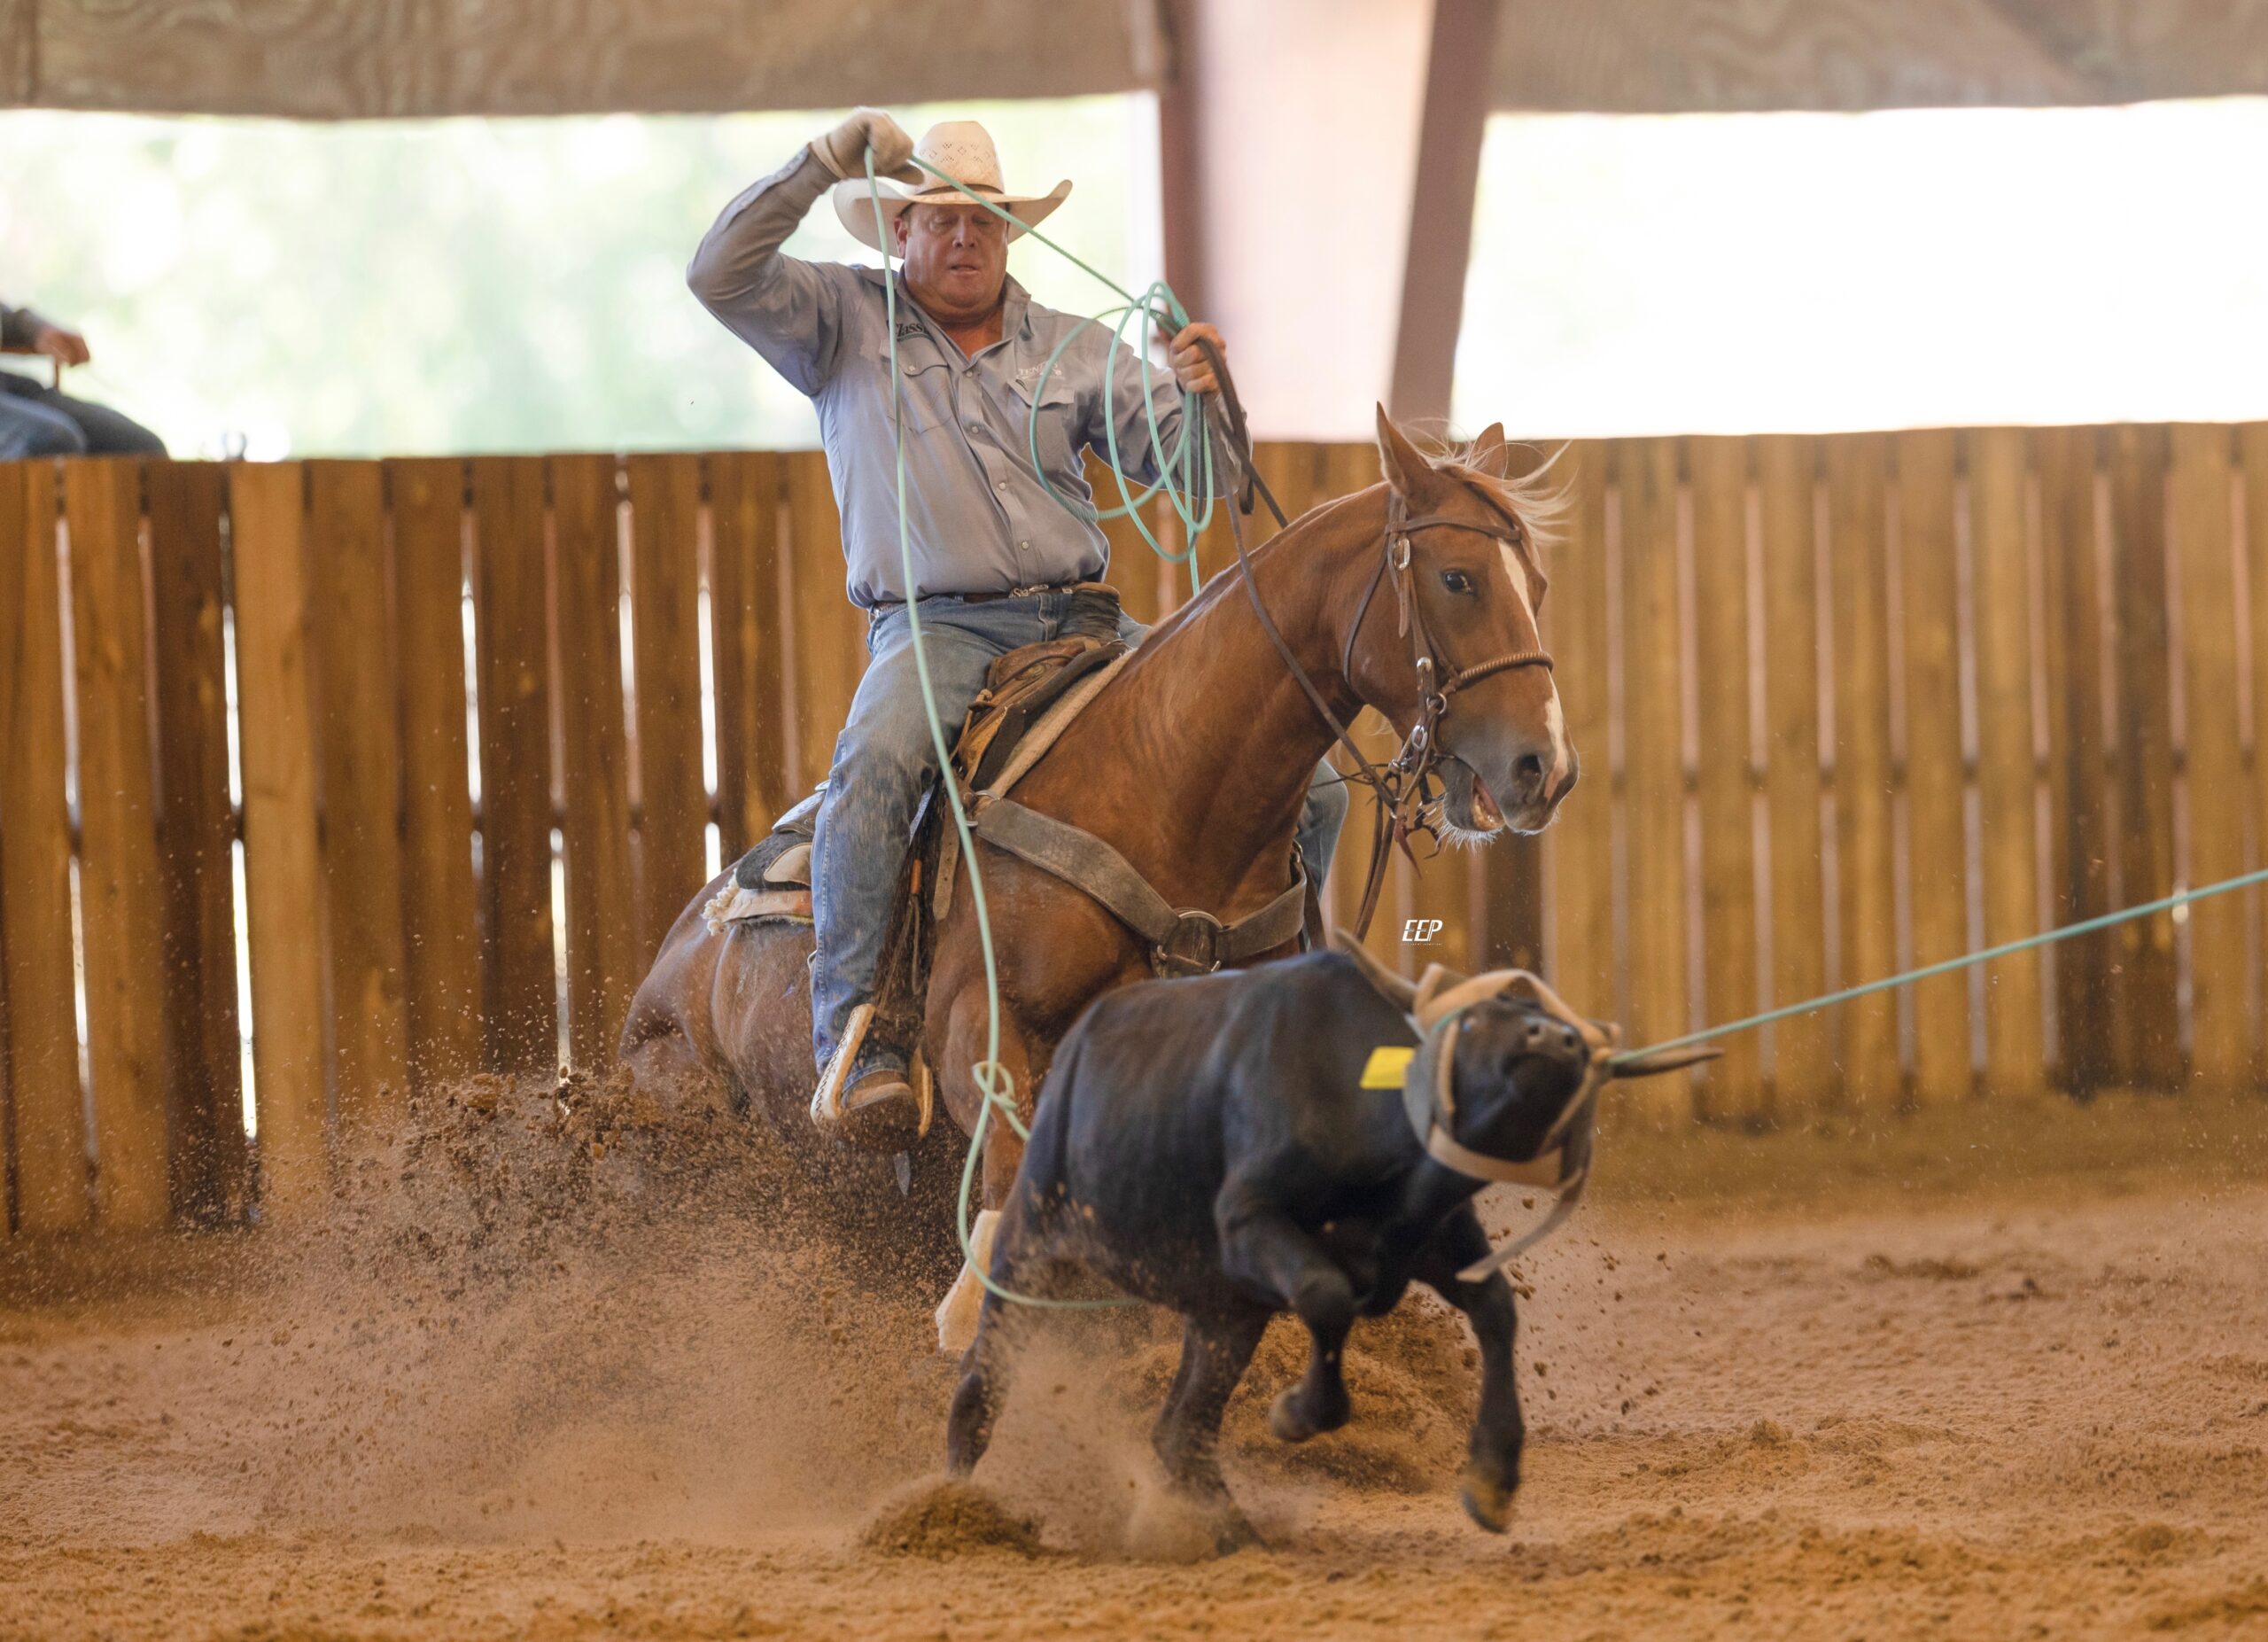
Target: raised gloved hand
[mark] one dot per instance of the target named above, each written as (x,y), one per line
(844,150)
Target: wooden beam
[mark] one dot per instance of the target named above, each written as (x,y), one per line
(1455,114)
(1181,151)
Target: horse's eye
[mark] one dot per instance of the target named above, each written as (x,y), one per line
(1457,581)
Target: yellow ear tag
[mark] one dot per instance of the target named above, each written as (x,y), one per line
(1388,1065)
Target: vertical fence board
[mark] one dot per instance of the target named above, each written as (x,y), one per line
(2252,444)
(1734,1087)
(197,833)
(1655,808)
(360,779)
(830,647)
(2077,774)
(42,1046)
(745,619)
(445,1010)
(1803,1060)
(1935,835)
(665,620)
(1866,865)
(282,860)
(603,951)
(1580,843)
(2213,769)
(2149,1044)
(1506,905)
(2015,1052)
(119,882)
(514,764)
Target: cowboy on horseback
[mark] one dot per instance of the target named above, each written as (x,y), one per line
(998,562)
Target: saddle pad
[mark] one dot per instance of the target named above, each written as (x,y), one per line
(774,861)
(774,880)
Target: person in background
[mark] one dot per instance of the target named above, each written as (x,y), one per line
(37,420)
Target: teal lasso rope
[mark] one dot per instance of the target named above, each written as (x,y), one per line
(2046,937)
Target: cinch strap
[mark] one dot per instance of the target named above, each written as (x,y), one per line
(1181,942)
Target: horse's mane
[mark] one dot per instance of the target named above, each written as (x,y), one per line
(1539,499)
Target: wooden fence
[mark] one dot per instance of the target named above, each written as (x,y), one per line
(439,748)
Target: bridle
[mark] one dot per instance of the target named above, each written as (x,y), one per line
(1406,783)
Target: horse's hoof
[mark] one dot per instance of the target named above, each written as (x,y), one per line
(1488,1501)
(1291,1419)
(1233,1532)
(1285,1419)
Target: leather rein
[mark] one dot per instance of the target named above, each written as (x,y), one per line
(1404,784)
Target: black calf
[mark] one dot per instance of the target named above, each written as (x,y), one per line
(1206,1144)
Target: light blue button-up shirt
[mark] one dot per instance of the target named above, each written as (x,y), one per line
(978,519)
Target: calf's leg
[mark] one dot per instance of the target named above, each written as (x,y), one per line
(1010,1253)
(1259,1245)
(1214,1352)
(984,1376)
(1492,1472)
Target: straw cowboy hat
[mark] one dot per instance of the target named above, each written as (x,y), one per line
(962,149)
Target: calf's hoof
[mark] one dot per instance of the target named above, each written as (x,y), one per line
(1293,1420)
(1487,1500)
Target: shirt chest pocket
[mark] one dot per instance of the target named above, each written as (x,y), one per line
(1059,431)
(925,392)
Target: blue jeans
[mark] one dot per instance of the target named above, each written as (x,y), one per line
(37,421)
(884,759)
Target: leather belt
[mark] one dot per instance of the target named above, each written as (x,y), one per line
(1039,587)
(1013,593)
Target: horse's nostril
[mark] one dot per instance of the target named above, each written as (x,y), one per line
(1529,769)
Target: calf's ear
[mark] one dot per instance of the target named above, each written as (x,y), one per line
(1660,1061)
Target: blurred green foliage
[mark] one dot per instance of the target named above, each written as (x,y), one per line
(463,285)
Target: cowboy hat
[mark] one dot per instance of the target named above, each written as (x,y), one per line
(962,149)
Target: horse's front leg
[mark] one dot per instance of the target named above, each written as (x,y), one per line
(967,1038)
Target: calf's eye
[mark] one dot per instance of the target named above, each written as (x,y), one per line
(1457,581)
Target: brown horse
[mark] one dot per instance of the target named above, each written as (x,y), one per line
(1193,763)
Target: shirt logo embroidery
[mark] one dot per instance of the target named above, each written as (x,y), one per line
(908,329)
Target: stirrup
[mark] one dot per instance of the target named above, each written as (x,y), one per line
(886,1126)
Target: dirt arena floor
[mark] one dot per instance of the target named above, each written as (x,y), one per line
(1996,1372)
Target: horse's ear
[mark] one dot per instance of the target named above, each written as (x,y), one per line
(1488,451)
(1404,465)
